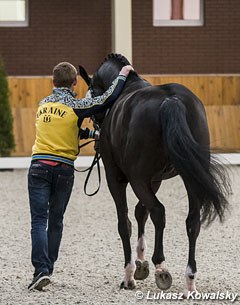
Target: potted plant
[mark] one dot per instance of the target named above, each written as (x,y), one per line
(7,143)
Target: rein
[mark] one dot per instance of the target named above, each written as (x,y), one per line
(97,156)
(95,161)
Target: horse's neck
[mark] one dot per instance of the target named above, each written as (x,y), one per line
(134,84)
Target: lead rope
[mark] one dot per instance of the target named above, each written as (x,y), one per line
(95,161)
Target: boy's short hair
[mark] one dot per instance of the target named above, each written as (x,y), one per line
(64,74)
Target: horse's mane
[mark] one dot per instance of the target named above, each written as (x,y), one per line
(115,58)
(118,57)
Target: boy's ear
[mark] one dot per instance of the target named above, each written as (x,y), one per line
(75,82)
(84,75)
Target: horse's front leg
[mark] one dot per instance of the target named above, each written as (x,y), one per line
(118,191)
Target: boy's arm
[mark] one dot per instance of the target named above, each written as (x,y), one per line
(88,106)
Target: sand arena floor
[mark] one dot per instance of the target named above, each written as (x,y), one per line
(90,265)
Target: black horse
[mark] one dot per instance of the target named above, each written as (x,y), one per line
(150,134)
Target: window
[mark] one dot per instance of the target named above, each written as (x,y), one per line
(177,12)
(13,13)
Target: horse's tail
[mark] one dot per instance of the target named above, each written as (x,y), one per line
(204,176)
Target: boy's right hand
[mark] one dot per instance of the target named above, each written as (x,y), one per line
(125,70)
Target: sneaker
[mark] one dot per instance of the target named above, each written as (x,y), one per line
(39,281)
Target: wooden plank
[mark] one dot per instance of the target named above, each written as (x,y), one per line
(27,92)
(224,125)
(17,130)
(231,90)
(211,89)
(28,117)
(24,130)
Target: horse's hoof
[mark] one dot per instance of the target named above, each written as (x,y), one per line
(163,279)
(130,285)
(142,270)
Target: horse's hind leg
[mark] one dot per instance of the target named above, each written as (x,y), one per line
(162,276)
(157,213)
(141,215)
(142,266)
(117,185)
(193,229)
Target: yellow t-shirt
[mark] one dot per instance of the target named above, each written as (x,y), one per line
(59,118)
(56,131)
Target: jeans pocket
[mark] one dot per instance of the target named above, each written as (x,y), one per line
(64,183)
(38,177)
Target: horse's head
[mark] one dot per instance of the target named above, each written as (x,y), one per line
(107,72)
(103,77)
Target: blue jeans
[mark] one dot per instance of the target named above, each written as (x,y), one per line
(49,190)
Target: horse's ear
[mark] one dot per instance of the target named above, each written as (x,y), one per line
(84,75)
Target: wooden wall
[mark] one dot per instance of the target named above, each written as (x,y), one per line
(220,95)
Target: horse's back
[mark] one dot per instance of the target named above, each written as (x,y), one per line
(134,129)
(141,109)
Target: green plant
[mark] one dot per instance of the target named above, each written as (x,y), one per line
(7,143)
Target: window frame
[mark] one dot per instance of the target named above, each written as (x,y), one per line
(179,23)
(16,23)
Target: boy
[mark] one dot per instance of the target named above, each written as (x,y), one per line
(51,174)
